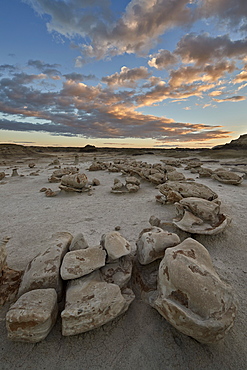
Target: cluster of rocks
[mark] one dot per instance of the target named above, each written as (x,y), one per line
(132,185)
(184,287)
(59,173)
(96,291)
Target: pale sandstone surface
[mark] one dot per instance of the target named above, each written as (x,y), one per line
(140,338)
(82,262)
(32,316)
(44,270)
(153,242)
(115,245)
(191,296)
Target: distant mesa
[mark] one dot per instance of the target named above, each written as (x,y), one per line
(240,143)
(88,148)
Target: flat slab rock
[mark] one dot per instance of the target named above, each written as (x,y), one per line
(191,296)
(152,244)
(32,317)
(44,270)
(118,272)
(82,262)
(92,303)
(115,245)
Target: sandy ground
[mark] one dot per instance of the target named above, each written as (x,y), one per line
(141,338)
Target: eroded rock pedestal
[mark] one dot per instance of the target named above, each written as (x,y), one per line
(191,296)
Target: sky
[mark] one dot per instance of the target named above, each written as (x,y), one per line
(139,73)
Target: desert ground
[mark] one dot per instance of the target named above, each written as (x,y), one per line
(141,338)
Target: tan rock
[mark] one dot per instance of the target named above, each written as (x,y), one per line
(2,175)
(153,242)
(44,270)
(200,216)
(82,262)
(91,303)
(115,245)
(78,242)
(188,189)
(76,182)
(227,177)
(118,272)
(175,176)
(32,317)
(132,180)
(191,296)
(3,255)
(9,284)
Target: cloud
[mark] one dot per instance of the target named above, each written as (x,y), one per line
(236,98)
(201,49)
(89,111)
(78,77)
(162,59)
(46,68)
(127,77)
(241,77)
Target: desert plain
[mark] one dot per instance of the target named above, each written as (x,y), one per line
(140,338)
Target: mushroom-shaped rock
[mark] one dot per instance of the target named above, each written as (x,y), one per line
(76,182)
(115,245)
(152,244)
(32,317)
(82,262)
(91,303)
(200,216)
(14,172)
(188,189)
(78,242)
(44,270)
(227,177)
(191,296)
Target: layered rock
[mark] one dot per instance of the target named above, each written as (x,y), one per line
(32,317)
(187,189)
(78,263)
(200,216)
(44,270)
(191,296)
(115,245)
(77,182)
(152,244)
(91,303)
(227,177)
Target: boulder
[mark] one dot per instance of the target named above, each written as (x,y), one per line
(227,177)
(76,182)
(152,243)
(175,176)
(9,284)
(115,245)
(119,272)
(191,296)
(44,270)
(78,242)
(200,216)
(91,303)
(188,189)
(32,317)
(82,262)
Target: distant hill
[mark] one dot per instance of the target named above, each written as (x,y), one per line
(240,143)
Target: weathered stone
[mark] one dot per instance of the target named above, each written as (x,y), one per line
(153,242)
(200,216)
(158,178)
(91,303)
(3,255)
(132,180)
(118,272)
(95,182)
(191,295)
(76,182)
(2,175)
(115,245)
(15,172)
(78,242)
(175,176)
(31,165)
(50,193)
(44,270)
(32,317)
(42,190)
(188,189)
(9,284)
(205,172)
(82,262)
(227,177)
(132,188)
